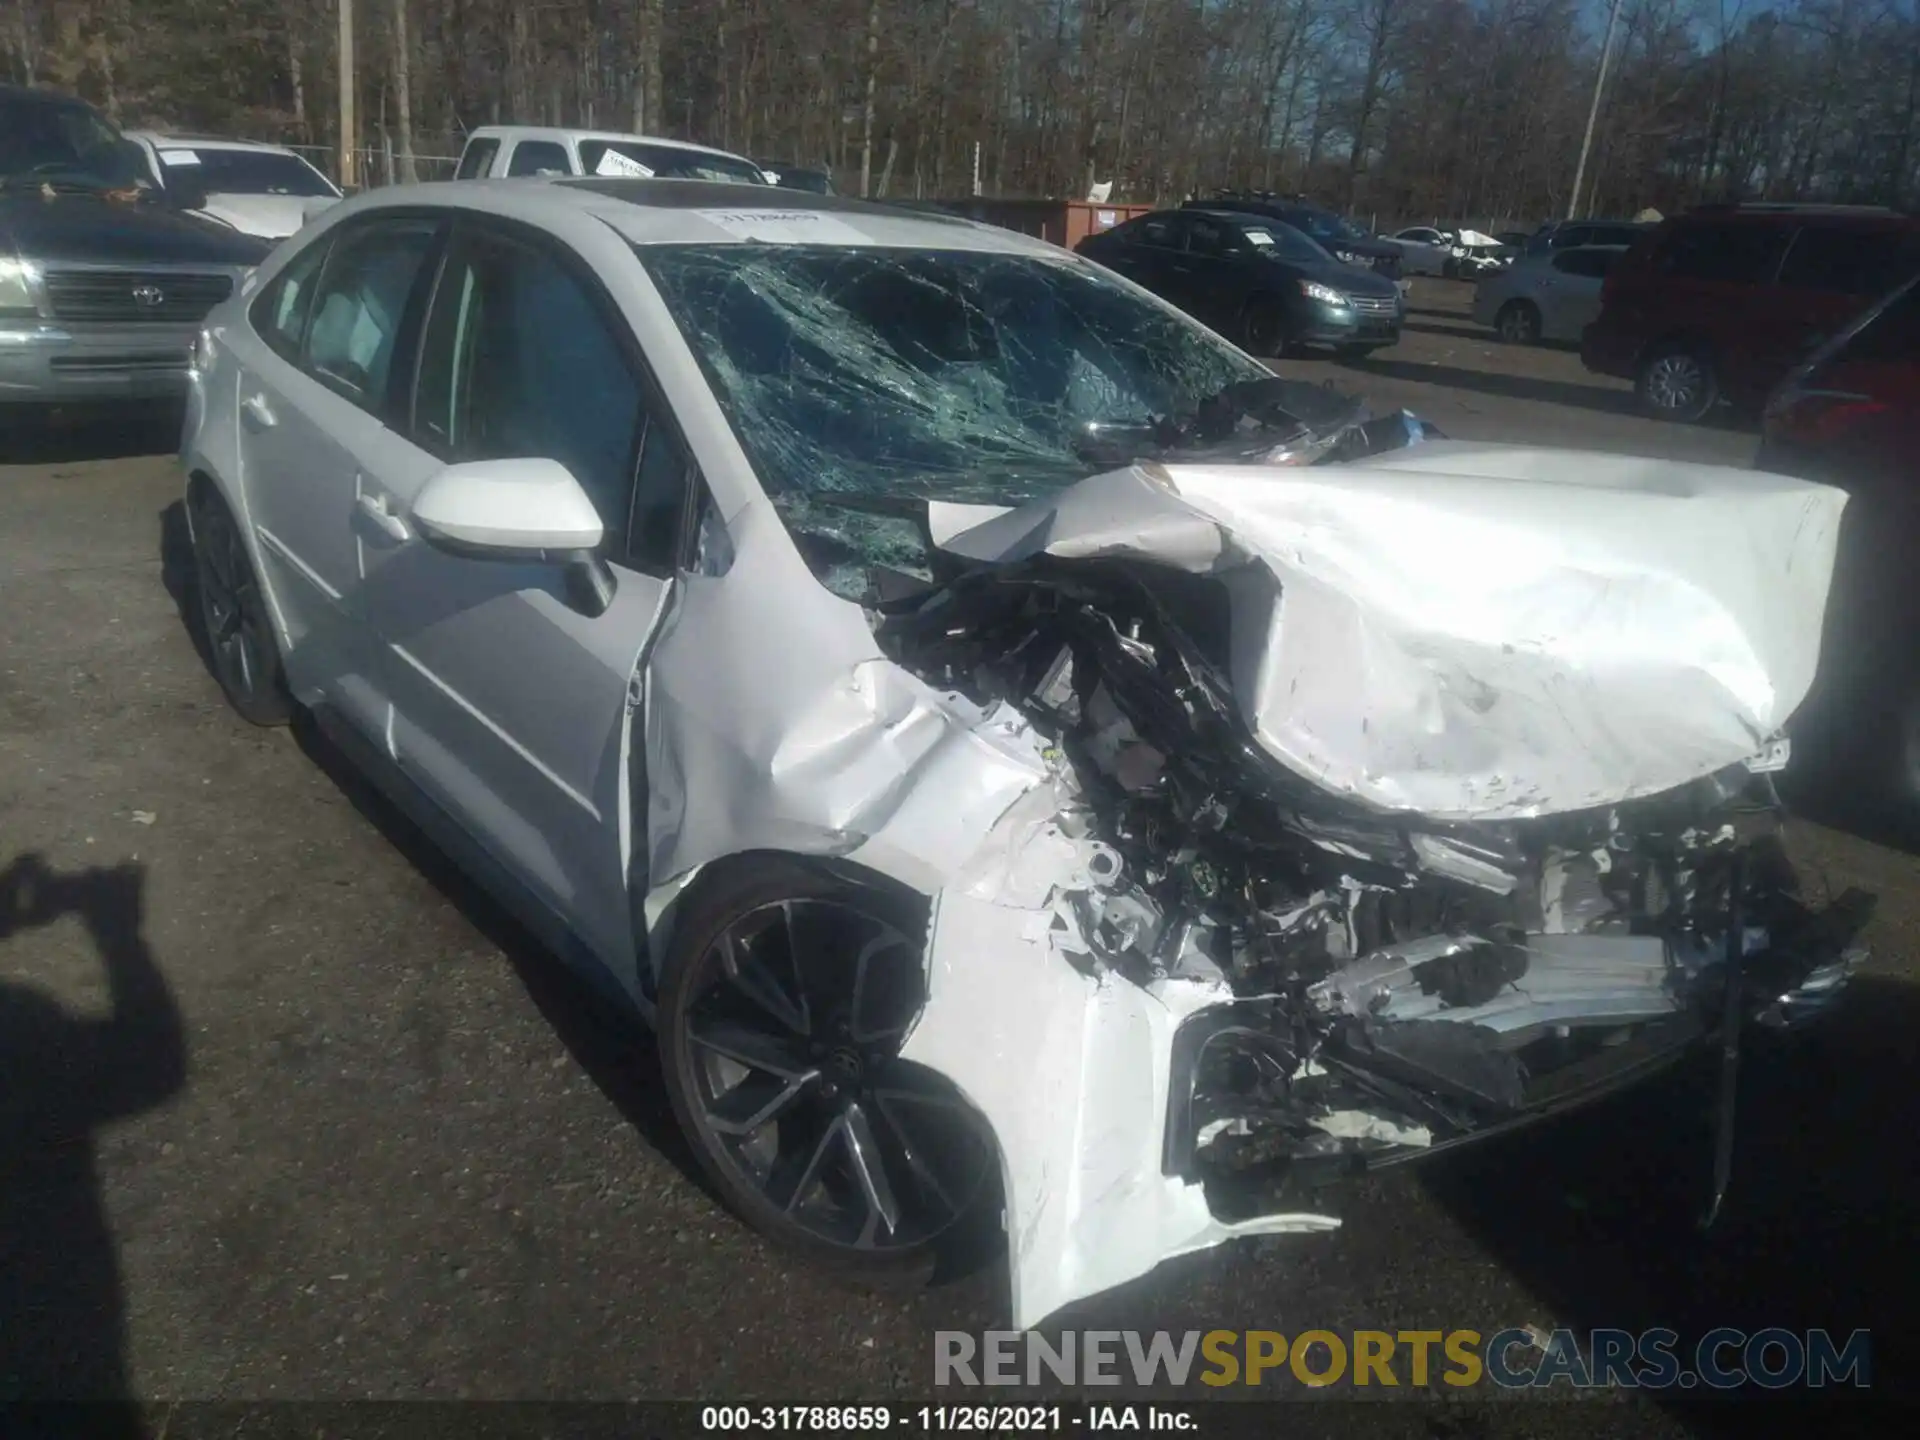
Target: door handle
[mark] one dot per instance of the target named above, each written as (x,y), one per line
(256,414)
(374,508)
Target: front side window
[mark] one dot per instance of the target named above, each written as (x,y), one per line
(359,303)
(477,159)
(859,381)
(538,157)
(1731,253)
(1206,237)
(519,360)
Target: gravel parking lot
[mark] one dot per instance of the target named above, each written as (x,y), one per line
(350,1134)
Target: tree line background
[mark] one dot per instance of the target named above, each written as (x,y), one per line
(1397,110)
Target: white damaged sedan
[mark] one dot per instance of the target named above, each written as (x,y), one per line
(1032,767)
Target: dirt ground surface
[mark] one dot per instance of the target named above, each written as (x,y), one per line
(350,1134)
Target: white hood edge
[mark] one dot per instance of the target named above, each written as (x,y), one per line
(1480,632)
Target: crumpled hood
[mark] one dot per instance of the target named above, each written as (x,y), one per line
(1479,632)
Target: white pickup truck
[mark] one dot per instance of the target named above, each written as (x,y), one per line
(496,151)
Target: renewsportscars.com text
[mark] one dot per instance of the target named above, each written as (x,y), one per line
(1723,1359)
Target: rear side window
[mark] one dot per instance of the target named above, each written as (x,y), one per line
(1729,254)
(1589,264)
(360,302)
(280,313)
(1843,261)
(1612,235)
(1150,230)
(477,159)
(538,157)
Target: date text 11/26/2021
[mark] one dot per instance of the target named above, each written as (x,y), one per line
(939,1419)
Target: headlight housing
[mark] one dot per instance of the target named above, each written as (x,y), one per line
(1325,294)
(19,289)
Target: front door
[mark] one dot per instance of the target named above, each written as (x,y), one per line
(510,707)
(313,385)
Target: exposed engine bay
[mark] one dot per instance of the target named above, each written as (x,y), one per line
(1398,984)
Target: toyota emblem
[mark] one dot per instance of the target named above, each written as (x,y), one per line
(148,295)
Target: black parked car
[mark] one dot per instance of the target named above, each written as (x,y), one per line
(1262,284)
(1335,234)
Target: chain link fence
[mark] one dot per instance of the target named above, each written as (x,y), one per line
(376,165)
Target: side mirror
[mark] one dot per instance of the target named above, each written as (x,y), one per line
(523,510)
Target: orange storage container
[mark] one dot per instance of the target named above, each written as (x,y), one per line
(1062,222)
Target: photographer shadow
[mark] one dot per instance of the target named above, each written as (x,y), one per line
(63,1077)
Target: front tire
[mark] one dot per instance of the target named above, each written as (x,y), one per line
(232,609)
(1518,323)
(789,990)
(1677,382)
(1263,328)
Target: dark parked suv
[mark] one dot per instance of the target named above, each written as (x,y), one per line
(1720,303)
(103,279)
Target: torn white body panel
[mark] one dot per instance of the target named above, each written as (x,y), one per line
(1482,631)
(775,723)
(1073,1073)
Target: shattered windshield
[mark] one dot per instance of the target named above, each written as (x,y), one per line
(863,382)
(45,140)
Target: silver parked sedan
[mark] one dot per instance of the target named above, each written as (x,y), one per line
(1553,295)
(1032,766)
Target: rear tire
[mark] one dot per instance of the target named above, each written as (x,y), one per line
(1263,328)
(1518,323)
(232,612)
(1676,382)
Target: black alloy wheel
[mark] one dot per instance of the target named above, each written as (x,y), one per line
(790,992)
(1263,328)
(234,621)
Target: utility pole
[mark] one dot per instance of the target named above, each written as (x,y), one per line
(1593,112)
(347,137)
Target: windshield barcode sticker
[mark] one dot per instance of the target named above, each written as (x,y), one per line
(785,226)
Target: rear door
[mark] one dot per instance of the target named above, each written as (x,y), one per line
(1570,291)
(313,391)
(1141,251)
(511,707)
(1714,284)
(1208,273)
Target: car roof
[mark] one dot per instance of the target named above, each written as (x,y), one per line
(568,132)
(713,212)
